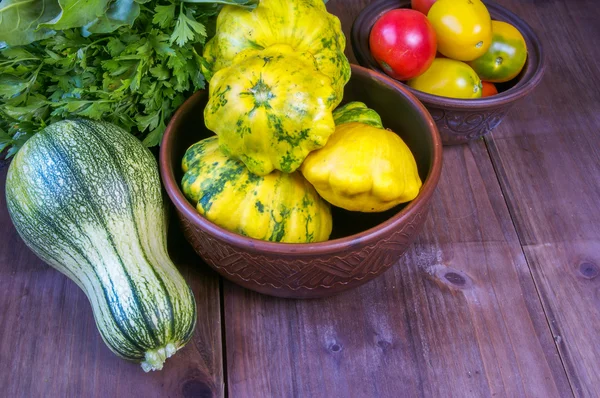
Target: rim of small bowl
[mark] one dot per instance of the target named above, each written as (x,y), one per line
(532,73)
(334,245)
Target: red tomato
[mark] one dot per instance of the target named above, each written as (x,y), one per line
(422,5)
(488,89)
(403,42)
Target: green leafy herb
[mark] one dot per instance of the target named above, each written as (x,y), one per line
(241,3)
(164,15)
(187,28)
(134,77)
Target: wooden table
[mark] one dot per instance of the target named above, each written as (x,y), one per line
(499,296)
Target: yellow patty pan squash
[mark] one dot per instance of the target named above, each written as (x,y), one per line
(270,109)
(303,24)
(363,168)
(357,112)
(278,207)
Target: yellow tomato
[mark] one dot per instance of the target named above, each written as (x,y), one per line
(463,28)
(448,78)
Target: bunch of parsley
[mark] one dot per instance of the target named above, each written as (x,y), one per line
(135,76)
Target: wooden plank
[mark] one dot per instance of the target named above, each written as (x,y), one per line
(548,159)
(457,316)
(49,344)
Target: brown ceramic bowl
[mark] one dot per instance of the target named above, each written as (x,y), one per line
(362,245)
(460,120)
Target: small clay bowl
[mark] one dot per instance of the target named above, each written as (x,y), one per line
(459,120)
(362,246)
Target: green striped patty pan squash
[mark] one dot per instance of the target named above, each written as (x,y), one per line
(278,207)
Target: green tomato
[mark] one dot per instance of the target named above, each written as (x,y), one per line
(505,58)
(448,78)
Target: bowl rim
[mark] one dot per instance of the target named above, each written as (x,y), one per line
(375,233)
(519,90)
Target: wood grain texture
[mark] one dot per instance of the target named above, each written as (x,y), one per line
(49,344)
(547,155)
(457,316)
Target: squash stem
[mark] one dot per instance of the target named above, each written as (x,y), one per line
(156,358)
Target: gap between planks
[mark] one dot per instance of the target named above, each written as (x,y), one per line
(223,337)
(489,142)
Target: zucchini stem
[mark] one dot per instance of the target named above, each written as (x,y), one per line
(156,358)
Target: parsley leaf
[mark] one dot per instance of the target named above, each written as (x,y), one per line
(164,15)
(187,28)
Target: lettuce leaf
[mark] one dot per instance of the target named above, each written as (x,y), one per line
(120,13)
(19,20)
(76,13)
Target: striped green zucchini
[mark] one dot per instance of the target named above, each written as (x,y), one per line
(86,198)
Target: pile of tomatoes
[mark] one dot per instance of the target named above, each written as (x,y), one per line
(450,48)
